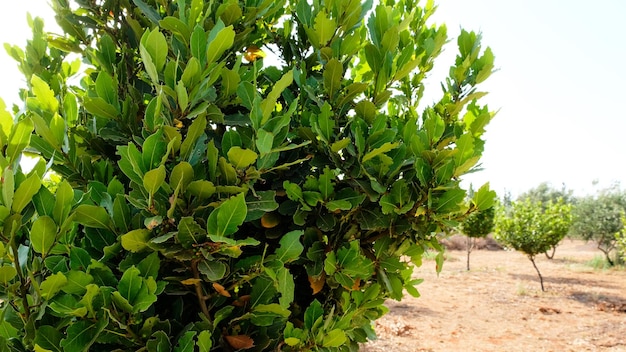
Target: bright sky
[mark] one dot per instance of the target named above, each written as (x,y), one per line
(560,87)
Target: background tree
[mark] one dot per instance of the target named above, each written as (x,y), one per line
(477,225)
(202,188)
(533,227)
(546,194)
(598,218)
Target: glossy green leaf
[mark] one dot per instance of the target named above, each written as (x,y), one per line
(82,334)
(43,234)
(25,192)
(290,246)
(7,273)
(484,198)
(199,43)
(186,342)
(223,41)
(154,149)
(201,188)
(226,219)
(333,73)
(380,151)
(196,129)
(77,282)
(182,174)
(204,341)
(49,338)
(154,179)
(45,96)
(334,338)
(190,233)
(92,216)
(212,270)
(52,285)
(177,27)
(136,240)
(269,103)
(241,158)
(286,288)
(8,187)
(99,107)
(324,28)
(156,45)
(19,138)
(63,202)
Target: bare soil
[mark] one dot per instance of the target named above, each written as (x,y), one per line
(498,305)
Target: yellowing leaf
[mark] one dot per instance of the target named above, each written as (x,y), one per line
(191,281)
(221,290)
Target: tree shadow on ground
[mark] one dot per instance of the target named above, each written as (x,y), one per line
(564,281)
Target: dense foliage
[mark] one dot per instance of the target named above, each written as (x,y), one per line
(477,225)
(598,218)
(213,201)
(533,227)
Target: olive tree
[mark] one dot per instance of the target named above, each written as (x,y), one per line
(211,199)
(533,227)
(598,218)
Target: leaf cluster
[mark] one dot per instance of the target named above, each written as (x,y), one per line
(213,201)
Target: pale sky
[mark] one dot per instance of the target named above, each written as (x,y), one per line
(560,87)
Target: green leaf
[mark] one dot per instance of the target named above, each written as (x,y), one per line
(7,273)
(8,187)
(130,284)
(185,342)
(340,204)
(43,234)
(99,107)
(92,216)
(212,269)
(25,192)
(106,88)
(149,11)
(154,179)
(52,285)
(150,265)
(156,46)
(177,27)
(135,240)
(334,338)
(193,133)
(325,184)
(333,73)
(77,282)
(324,28)
(154,149)
(204,341)
(263,202)
(290,246)
(286,287)
(268,104)
(201,188)
(223,41)
(183,97)
(82,334)
(379,151)
(45,96)
(226,219)
(19,139)
(190,233)
(264,141)
(484,198)
(450,200)
(241,158)
(182,174)
(313,312)
(199,43)
(63,202)
(159,342)
(49,338)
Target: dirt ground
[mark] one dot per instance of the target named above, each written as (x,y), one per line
(498,305)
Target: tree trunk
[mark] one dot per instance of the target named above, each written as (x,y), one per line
(532,259)
(469,250)
(607,254)
(551,255)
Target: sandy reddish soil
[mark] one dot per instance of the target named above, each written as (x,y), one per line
(499,305)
